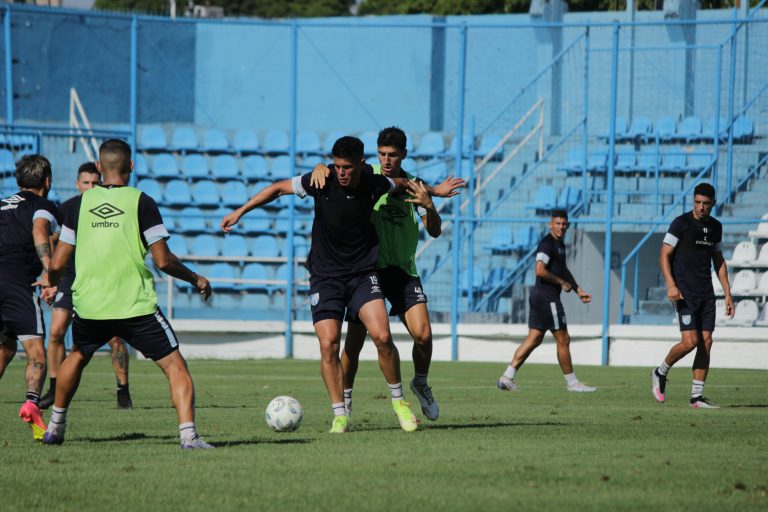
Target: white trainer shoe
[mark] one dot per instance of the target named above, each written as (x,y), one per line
(506,384)
(428,403)
(580,387)
(196,443)
(700,402)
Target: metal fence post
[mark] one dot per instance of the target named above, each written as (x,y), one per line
(134,87)
(292,213)
(8,67)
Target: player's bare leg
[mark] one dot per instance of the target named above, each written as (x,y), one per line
(507,380)
(563,340)
(329,335)
(416,320)
(373,314)
(350,359)
(120,366)
(7,352)
(35,377)
(700,371)
(60,321)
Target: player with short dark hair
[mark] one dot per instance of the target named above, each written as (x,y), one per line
(692,245)
(397,227)
(546,310)
(114,226)
(87,177)
(342,267)
(27,221)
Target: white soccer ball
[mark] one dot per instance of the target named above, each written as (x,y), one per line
(284,414)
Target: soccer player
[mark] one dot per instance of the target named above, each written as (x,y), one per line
(114,226)
(690,248)
(398,231)
(546,310)
(342,267)
(87,177)
(27,220)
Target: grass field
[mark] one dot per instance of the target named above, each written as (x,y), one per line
(539,449)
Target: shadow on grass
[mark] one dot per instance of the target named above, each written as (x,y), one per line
(138,436)
(463,426)
(751,406)
(245,442)
(133,436)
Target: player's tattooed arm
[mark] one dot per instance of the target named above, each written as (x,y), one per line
(172,265)
(40,234)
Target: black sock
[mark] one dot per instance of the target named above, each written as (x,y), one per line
(122,387)
(52,388)
(33,397)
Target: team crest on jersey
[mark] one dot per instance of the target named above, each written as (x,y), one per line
(686,319)
(314,299)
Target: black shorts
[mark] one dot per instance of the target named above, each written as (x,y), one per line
(330,297)
(151,335)
(696,314)
(402,290)
(546,315)
(20,311)
(63,300)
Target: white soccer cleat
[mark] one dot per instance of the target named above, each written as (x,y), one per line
(196,443)
(506,384)
(427,400)
(580,387)
(700,402)
(658,385)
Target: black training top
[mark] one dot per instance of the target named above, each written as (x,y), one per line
(344,240)
(19,262)
(695,241)
(552,253)
(65,209)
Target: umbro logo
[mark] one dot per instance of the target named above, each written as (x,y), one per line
(14,199)
(106,211)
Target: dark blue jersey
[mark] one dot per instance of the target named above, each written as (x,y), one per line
(551,252)
(694,242)
(19,262)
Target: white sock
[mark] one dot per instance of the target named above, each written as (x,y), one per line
(187,431)
(58,422)
(571,379)
(339,409)
(697,389)
(420,379)
(396,390)
(510,372)
(348,399)
(663,368)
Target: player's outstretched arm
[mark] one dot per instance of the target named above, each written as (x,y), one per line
(264,196)
(171,265)
(448,188)
(722,275)
(665,263)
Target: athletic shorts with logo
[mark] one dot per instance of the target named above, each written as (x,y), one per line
(152,335)
(546,315)
(696,314)
(20,311)
(64,297)
(402,290)
(331,297)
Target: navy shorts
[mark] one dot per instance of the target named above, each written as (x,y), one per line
(151,335)
(696,314)
(546,315)
(402,290)
(330,297)
(64,297)
(20,311)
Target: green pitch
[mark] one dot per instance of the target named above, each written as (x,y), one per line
(539,449)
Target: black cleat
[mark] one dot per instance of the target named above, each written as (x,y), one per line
(124,399)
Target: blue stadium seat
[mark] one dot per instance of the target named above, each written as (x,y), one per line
(225,271)
(369,142)
(281,167)
(301,248)
(257,187)
(255,168)
(468,143)
(195,167)
(620,132)
(330,139)
(569,198)
(477,281)
(284,202)
(698,161)
(151,188)
(308,143)
(246,142)
(177,193)
(666,129)
(598,160)
(690,129)
(433,171)
(574,161)
(501,239)
(409,165)
(205,194)
(169,217)
(184,139)
(641,128)
(234,245)
(487,143)
(308,163)
(178,245)
(192,221)
(7,164)
(153,139)
(265,246)
(276,142)
(215,141)
(626,161)
(164,167)
(282,222)
(673,162)
(255,223)
(204,245)
(234,194)
(524,238)
(544,199)
(709,129)
(647,160)
(140,167)
(255,272)
(743,130)
(225,168)
(432,144)
(281,274)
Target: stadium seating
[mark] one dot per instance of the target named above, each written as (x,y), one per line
(299,274)
(164,167)
(620,133)
(569,198)
(184,139)
(720,317)
(574,161)
(640,128)
(524,238)
(204,245)
(255,168)
(626,161)
(468,143)
(743,130)
(234,194)
(276,142)
(598,161)
(178,245)
(153,139)
(177,193)
(265,246)
(433,171)
(409,165)
(255,223)
(151,188)
(487,143)
(717,285)
(744,252)
(195,167)
(501,239)
(709,129)
(698,161)
(234,246)
(666,129)
(545,199)
(689,130)
(246,142)
(747,312)
(191,221)
(762,229)
(431,145)
(205,194)
(281,168)
(647,160)
(330,139)
(673,163)
(308,143)
(762,257)
(140,167)
(227,273)
(477,282)
(762,285)
(762,319)
(744,282)
(225,168)
(215,141)
(255,272)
